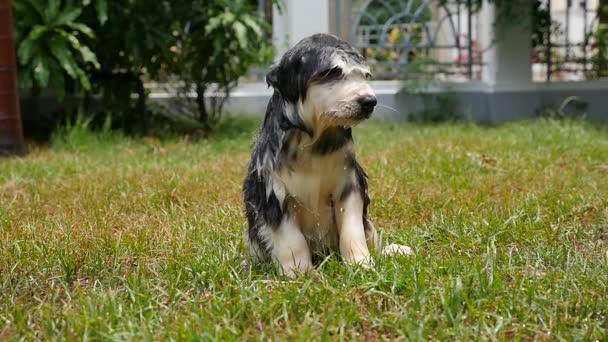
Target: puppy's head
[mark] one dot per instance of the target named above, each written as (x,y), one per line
(324,79)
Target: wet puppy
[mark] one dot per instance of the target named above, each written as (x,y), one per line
(305,192)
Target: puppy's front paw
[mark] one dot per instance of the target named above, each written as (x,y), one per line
(395,249)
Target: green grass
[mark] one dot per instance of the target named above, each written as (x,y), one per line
(106,237)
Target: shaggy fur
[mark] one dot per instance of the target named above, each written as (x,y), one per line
(305,193)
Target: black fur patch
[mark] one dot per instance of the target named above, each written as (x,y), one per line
(287,123)
(332,140)
(271,136)
(331,75)
(269,208)
(347,190)
(262,210)
(310,59)
(350,161)
(362,183)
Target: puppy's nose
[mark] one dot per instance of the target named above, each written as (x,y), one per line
(367,103)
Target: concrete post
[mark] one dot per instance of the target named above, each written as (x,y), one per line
(507,74)
(296,20)
(339,18)
(508,58)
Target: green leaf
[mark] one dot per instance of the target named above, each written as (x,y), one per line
(20,8)
(86,53)
(39,7)
(27,14)
(37,31)
(25,51)
(41,71)
(24,79)
(253,25)
(89,56)
(57,81)
(67,17)
(213,24)
(102,10)
(241,33)
(52,10)
(82,28)
(227,17)
(65,59)
(30,45)
(83,79)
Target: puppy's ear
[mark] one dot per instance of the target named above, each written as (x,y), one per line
(272,77)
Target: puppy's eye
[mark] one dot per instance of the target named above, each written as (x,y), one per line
(332,74)
(368,76)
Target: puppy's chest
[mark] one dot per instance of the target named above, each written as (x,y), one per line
(312,183)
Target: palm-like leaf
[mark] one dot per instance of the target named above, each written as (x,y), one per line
(51,47)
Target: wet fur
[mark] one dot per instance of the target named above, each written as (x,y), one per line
(303,163)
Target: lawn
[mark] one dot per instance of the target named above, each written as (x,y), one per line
(107,237)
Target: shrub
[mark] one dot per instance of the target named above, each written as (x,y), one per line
(108,49)
(220,42)
(54,45)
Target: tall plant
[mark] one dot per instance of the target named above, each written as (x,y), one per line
(219,42)
(132,44)
(111,48)
(54,45)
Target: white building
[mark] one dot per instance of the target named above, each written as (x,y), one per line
(491,78)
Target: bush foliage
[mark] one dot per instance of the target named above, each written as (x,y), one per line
(108,49)
(54,45)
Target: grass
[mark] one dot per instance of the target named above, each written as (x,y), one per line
(105,237)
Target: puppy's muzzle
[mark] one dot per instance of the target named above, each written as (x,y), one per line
(367,104)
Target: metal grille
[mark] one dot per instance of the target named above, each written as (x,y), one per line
(570,40)
(416,36)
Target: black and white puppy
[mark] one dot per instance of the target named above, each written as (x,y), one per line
(305,192)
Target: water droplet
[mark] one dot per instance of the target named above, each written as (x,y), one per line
(341,210)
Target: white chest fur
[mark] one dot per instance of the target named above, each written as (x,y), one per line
(312,183)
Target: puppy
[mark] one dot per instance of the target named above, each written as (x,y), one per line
(305,193)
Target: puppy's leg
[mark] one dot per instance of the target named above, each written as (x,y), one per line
(290,248)
(353,241)
(374,243)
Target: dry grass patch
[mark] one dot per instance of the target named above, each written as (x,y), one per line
(107,237)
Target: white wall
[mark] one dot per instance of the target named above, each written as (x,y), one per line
(298,19)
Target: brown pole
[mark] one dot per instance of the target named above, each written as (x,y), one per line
(11,131)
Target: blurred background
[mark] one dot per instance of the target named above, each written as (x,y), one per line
(180,66)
